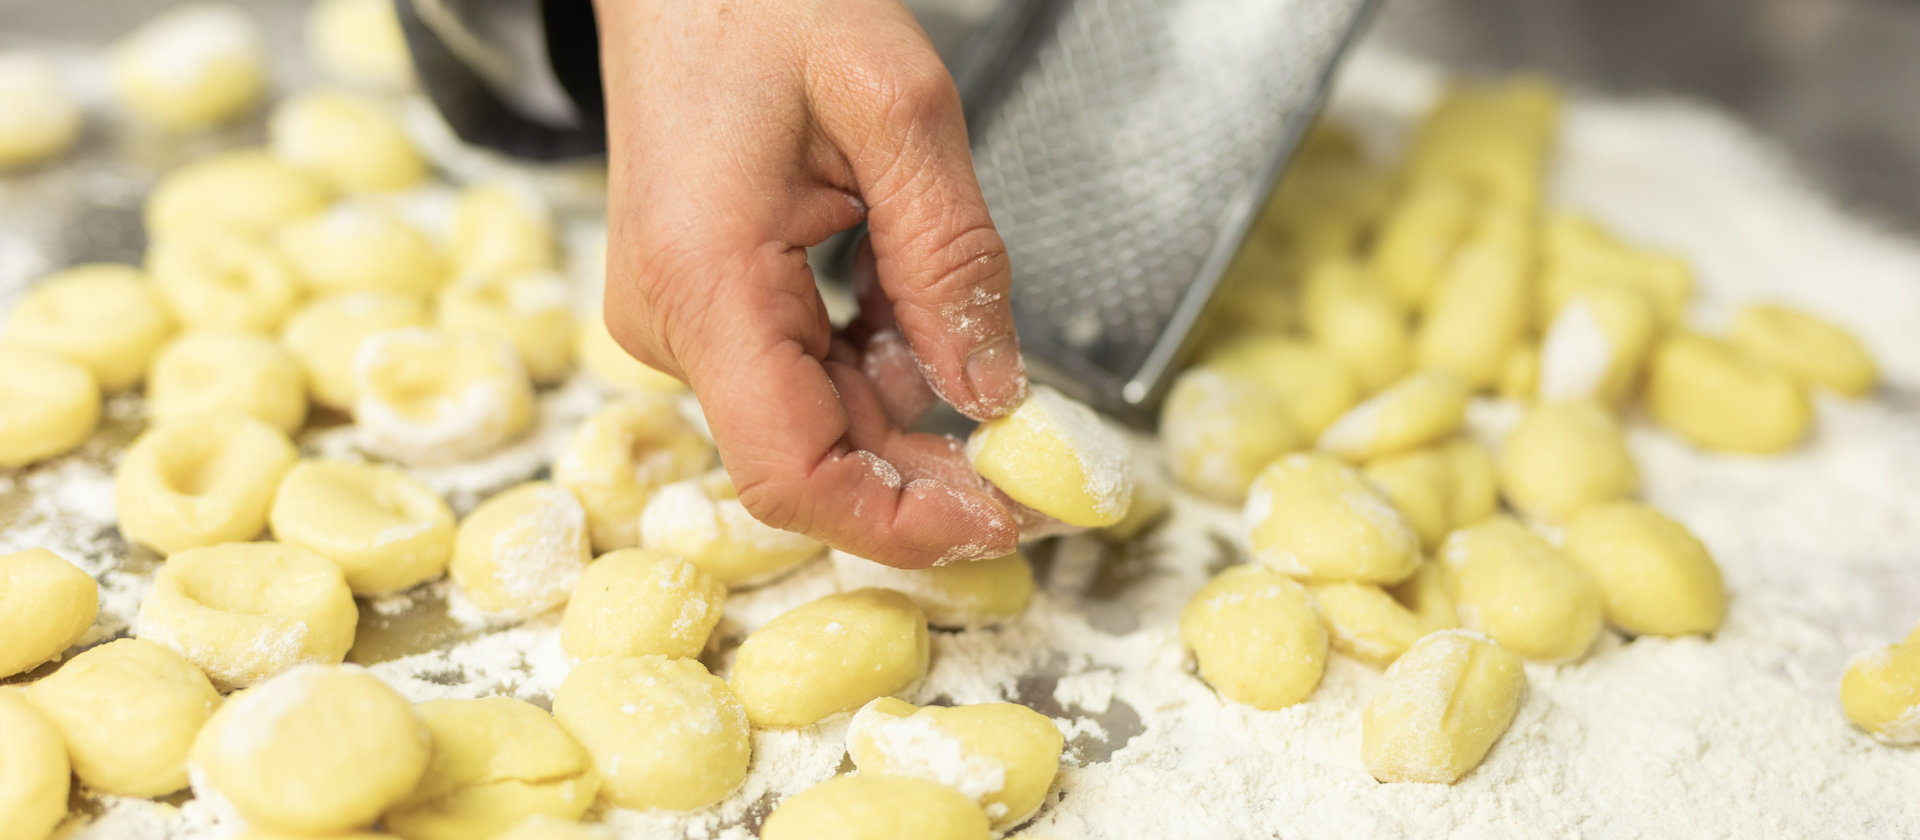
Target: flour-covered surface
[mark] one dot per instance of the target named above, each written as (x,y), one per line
(1735,736)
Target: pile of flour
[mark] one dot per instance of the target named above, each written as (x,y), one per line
(1735,736)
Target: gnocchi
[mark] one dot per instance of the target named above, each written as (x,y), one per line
(49,406)
(1805,347)
(605,360)
(703,520)
(1312,516)
(875,807)
(636,602)
(1655,578)
(358,248)
(1256,637)
(501,229)
(1719,397)
(430,397)
(1481,307)
(621,456)
(359,42)
(46,605)
(33,793)
(105,317)
(1439,488)
(1880,692)
(1368,623)
(531,310)
(1413,412)
(351,142)
(191,67)
(494,762)
(245,612)
(42,119)
(120,747)
(385,529)
(663,733)
(1440,709)
(200,482)
(1058,457)
(1220,430)
(325,336)
(218,279)
(522,552)
(204,373)
(244,190)
(1515,587)
(1002,755)
(830,655)
(963,594)
(1313,384)
(1562,457)
(1596,346)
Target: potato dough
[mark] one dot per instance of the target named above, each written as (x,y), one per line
(663,732)
(200,482)
(1880,691)
(1256,637)
(830,655)
(46,604)
(1311,516)
(1655,578)
(1720,397)
(48,406)
(104,316)
(1805,347)
(521,553)
(357,248)
(222,280)
(326,336)
(1563,457)
(430,397)
(1418,236)
(1440,708)
(502,229)
(128,710)
(1514,586)
(1001,755)
(243,190)
(1480,308)
(1351,317)
(34,784)
(385,529)
(1220,430)
(191,67)
(610,363)
(1312,383)
(1577,255)
(212,372)
(874,807)
(496,761)
(1369,624)
(354,143)
(703,520)
(1058,457)
(962,594)
(1418,410)
(620,456)
(359,42)
(41,119)
(244,612)
(1596,347)
(315,750)
(533,311)
(1438,489)
(638,602)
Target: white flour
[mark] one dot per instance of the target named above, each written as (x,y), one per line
(1739,736)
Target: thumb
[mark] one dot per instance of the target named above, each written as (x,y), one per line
(936,252)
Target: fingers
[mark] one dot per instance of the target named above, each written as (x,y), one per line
(884,355)
(938,257)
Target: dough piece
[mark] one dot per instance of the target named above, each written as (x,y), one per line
(208,372)
(1416,411)
(244,190)
(533,311)
(873,807)
(104,316)
(1418,237)
(1563,457)
(1880,691)
(359,42)
(191,67)
(1001,755)
(222,280)
(128,710)
(385,529)
(1509,583)
(663,732)
(830,655)
(1313,384)
(521,553)
(1220,430)
(1655,578)
(1480,309)
(1806,348)
(1311,516)
(48,406)
(638,602)
(41,119)
(1367,623)
(703,520)
(1440,708)
(1351,316)
(326,335)
(496,761)
(34,784)
(1438,489)
(46,604)
(1596,347)
(543,827)
(502,229)
(321,748)
(1492,138)
(200,482)
(353,143)
(964,594)
(620,456)
(1520,373)
(610,363)
(244,612)
(431,397)
(1256,638)
(1577,255)
(357,248)
(1058,457)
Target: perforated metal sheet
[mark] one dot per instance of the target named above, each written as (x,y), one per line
(1124,151)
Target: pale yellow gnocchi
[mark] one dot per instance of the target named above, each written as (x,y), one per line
(1880,691)
(1255,637)
(1220,430)
(359,248)
(432,397)
(1563,457)
(127,748)
(325,336)
(663,733)
(1001,755)
(533,311)
(385,529)
(244,190)
(203,373)
(1805,347)
(1514,586)
(105,317)
(522,552)
(1058,457)
(1440,708)
(1655,577)
(46,604)
(1420,409)
(1720,397)
(200,482)
(355,143)
(48,406)
(963,594)
(621,456)
(876,807)
(637,602)
(1311,516)
(245,612)
(702,519)
(495,761)
(220,279)
(33,793)
(830,655)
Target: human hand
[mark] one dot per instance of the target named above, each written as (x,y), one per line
(739,135)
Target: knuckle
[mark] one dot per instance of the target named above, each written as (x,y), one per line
(956,262)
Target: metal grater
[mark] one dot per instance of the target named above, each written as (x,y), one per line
(1125,147)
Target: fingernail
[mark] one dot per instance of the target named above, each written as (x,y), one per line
(997,375)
